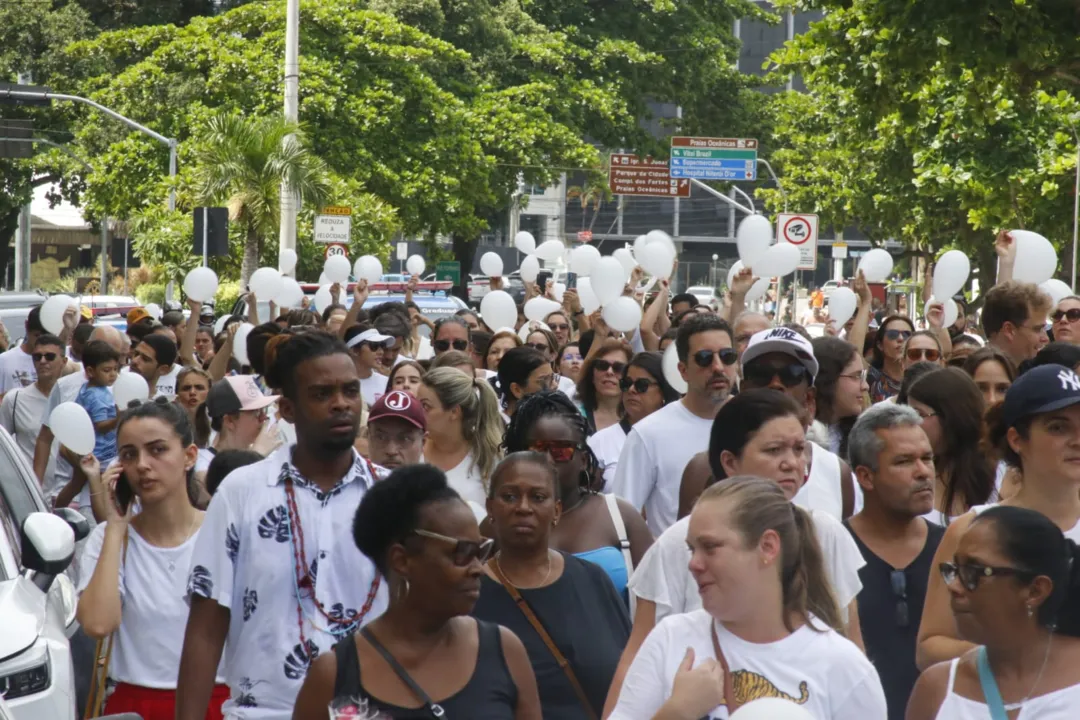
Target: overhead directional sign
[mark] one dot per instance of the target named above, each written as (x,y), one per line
(714,158)
(801,230)
(633,175)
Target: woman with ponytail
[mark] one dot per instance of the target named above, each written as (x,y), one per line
(1014,587)
(769,625)
(464,430)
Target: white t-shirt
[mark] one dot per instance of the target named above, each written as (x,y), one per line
(652,461)
(567,387)
(467,480)
(166,384)
(822,489)
(822,671)
(663,575)
(607,444)
(152,583)
(16,369)
(202,461)
(372,388)
(20,414)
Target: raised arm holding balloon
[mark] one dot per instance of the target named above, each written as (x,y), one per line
(1005,248)
(219,366)
(739,286)
(935,318)
(191,330)
(856,334)
(655,321)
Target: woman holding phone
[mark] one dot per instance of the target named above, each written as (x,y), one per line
(134,568)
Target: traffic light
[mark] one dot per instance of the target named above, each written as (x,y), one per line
(6,98)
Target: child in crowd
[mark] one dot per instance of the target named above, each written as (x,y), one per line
(102,364)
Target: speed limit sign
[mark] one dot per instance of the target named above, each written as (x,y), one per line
(335,249)
(801,230)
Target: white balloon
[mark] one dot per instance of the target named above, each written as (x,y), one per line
(952,312)
(265,283)
(220,324)
(291,295)
(239,347)
(1056,289)
(498,309)
(626,257)
(639,242)
(734,271)
(660,236)
(757,290)
(842,305)
(876,265)
(529,328)
(551,251)
(525,242)
(657,259)
(779,260)
(583,259)
(491,264)
(671,369)
(129,386)
(415,265)
(539,308)
(622,314)
(529,269)
(1036,259)
(589,302)
(771,709)
(155,310)
(287,261)
(71,425)
(368,268)
(608,279)
(201,284)
(950,274)
(558,290)
(323,280)
(323,298)
(337,269)
(753,238)
(52,312)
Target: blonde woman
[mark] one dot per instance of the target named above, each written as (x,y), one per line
(464,432)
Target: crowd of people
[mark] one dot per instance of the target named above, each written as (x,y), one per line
(364,519)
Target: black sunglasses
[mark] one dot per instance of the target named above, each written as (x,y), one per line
(605,365)
(540,347)
(760,375)
(465,551)
(899,588)
(971,573)
(1072,315)
(556,327)
(704,358)
(897,334)
(444,345)
(641,385)
(47,357)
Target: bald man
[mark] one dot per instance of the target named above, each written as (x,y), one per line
(746,325)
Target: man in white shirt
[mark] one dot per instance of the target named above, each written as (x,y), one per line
(658,448)
(16,365)
(22,409)
(365,343)
(154,358)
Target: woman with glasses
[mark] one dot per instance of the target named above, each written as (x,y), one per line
(1066,320)
(570,361)
(886,370)
(598,389)
(450,333)
(560,327)
(543,340)
(522,372)
(565,610)
(464,430)
(405,376)
(600,528)
(644,391)
(501,343)
(923,346)
(840,389)
(951,408)
(424,657)
(1037,431)
(1012,584)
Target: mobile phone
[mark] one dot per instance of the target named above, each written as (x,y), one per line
(571,281)
(541,280)
(124,494)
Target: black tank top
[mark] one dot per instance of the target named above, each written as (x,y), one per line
(490,693)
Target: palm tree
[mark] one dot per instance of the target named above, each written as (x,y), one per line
(594,193)
(243,163)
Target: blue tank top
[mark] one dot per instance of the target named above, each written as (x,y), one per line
(610,559)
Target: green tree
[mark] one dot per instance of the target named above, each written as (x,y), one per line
(591,196)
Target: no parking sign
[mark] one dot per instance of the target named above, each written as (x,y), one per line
(801,230)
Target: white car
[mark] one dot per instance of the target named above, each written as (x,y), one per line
(705,294)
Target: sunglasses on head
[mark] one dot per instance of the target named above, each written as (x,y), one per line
(47,357)
(915,354)
(465,551)
(1071,315)
(760,375)
(704,358)
(444,345)
(561,451)
(641,385)
(971,573)
(897,334)
(605,365)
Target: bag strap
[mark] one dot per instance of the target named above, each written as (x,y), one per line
(435,709)
(95,700)
(729,685)
(620,530)
(991,693)
(560,659)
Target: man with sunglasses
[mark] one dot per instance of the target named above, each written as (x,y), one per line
(658,448)
(23,408)
(894,464)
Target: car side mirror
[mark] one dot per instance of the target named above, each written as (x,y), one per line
(75,520)
(48,546)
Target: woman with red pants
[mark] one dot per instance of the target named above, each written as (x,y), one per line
(134,568)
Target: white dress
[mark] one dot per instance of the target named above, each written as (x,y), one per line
(1060,704)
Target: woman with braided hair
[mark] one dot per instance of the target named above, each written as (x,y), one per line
(600,528)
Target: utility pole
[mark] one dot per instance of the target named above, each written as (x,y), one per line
(289,203)
(22,240)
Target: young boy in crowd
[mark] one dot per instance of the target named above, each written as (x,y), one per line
(102,364)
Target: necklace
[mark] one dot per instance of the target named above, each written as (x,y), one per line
(1016,706)
(541,584)
(576,505)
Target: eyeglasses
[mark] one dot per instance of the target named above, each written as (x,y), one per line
(1071,315)
(375,346)
(47,357)
(704,358)
(899,588)
(971,573)
(465,551)
(859,375)
(915,354)
(541,347)
(897,334)
(957,362)
(640,386)
(556,327)
(561,451)
(605,365)
(760,375)
(444,345)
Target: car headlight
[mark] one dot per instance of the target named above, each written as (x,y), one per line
(29,681)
